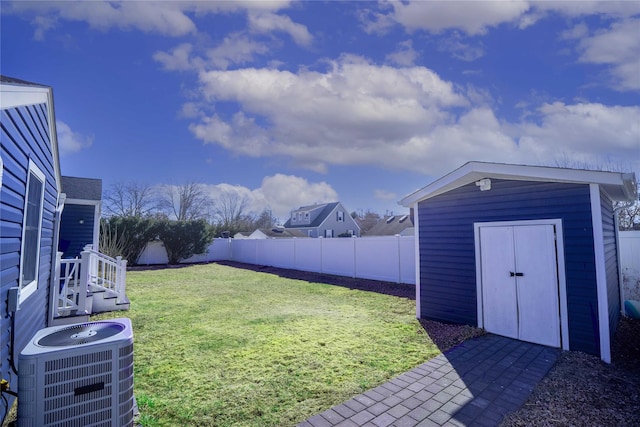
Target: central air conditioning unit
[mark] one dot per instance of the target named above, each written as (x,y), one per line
(78,375)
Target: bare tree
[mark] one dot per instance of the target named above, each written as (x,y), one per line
(366,220)
(129,199)
(628,213)
(265,219)
(185,202)
(229,210)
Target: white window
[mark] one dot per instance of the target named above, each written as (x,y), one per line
(310,233)
(295,216)
(350,232)
(328,233)
(340,216)
(31,232)
(306,216)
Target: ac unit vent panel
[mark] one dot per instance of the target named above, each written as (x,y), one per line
(68,377)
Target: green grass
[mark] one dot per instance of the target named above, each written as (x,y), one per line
(222,346)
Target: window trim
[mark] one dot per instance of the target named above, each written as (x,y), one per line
(27,289)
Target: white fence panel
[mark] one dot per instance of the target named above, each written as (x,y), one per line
(378,259)
(276,253)
(153,253)
(407,260)
(338,256)
(630,264)
(218,250)
(308,255)
(244,250)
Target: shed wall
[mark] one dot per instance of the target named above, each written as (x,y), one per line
(73,235)
(447,257)
(610,260)
(24,135)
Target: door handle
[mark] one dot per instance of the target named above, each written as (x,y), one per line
(512,274)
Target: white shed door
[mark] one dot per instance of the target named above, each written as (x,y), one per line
(520,282)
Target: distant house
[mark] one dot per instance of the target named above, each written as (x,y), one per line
(80,223)
(392,225)
(323,220)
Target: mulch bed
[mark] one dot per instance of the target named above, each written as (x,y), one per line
(581,390)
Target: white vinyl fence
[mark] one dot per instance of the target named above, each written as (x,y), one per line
(630,264)
(386,258)
(389,259)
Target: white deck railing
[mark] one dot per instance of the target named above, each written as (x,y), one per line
(91,272)
(70,286)
(107,273)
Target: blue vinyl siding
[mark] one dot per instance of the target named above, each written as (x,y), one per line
(24,135)
(73,235)
(610,261)
(447,248)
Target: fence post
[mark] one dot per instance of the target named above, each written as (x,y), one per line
(85,272)
(56,282)
(121,281)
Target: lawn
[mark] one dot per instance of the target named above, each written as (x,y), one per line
(218,345)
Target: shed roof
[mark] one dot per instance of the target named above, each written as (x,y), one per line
(619,186)
(82,188)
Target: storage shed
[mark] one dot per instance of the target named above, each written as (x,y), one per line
(80,224)
(526,252)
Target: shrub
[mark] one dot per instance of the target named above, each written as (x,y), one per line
(126,236)
(183,239)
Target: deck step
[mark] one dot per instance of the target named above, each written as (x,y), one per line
(104,301)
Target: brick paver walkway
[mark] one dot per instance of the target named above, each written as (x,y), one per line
(474,384)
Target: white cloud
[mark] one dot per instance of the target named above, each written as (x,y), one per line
(70,141)
(267,22)
(280,193)
(350,114)
(384,195)
(357,113)
(178,59)
(236,48)
(405,55)
(477,17)
(590,132)
(170,18)
(459,49)
(286,192)
(471,17)
(618,46)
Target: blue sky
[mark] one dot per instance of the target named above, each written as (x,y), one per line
(292,103)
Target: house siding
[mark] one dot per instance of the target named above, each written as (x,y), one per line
(73,235)
(24,135)
(611,260)
(447,248)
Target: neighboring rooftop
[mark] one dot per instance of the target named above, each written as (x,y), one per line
(390,226)
(327,208)
(82,188)
(278,232)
